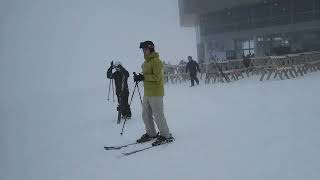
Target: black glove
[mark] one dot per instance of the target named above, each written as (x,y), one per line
(111,64)
(138,78)
(141,77)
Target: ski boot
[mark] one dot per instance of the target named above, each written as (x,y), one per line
(145,138)
(163,140)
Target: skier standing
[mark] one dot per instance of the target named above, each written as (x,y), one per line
(120,77)
(153,97)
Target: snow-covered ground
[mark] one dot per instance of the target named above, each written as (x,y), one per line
(245,130)
(55,117)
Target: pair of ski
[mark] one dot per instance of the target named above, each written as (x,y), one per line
(131,144)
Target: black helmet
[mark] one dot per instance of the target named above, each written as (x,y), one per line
(146,44)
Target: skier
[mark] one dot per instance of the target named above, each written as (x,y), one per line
(152,108)
(192,67)
(120,77)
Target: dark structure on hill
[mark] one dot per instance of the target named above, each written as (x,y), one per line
(231,29)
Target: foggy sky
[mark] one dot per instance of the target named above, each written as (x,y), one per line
(99,28)
(51,45)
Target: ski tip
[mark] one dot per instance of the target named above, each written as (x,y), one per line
(107,148)
(128,153)
(112,148)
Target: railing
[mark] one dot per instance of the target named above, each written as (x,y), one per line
(281,67)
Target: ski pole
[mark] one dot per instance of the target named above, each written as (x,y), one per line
(139,92)
(112,89)
(133,93)
(136,86)
(109,90)
(125,120)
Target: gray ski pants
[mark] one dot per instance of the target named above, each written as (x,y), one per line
(152,111)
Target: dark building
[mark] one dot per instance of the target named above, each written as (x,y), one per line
(229,29)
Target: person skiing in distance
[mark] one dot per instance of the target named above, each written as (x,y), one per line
(152,108)
(120,77)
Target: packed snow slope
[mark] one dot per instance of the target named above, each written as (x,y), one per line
(244,130)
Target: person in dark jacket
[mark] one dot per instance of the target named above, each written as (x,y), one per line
(193,67)
(120,77)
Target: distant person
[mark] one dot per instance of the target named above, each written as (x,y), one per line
(152,108)
(182,62)
(120,77)
(193,67)
(246,61)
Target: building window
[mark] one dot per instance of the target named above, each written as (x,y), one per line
(247,47)
(277,38)
(260,39)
